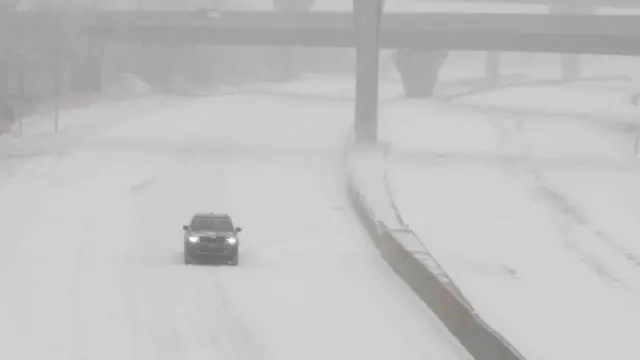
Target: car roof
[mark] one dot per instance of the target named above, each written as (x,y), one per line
(212,215)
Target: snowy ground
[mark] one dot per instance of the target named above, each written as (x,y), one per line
(91,266)
(530,199)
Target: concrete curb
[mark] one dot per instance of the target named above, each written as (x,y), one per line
(409,258)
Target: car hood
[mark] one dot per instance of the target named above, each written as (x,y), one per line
(213,233)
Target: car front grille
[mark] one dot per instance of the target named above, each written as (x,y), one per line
(214,240)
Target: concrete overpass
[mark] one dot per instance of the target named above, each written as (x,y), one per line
(613,34)
(589,3)
(552,33)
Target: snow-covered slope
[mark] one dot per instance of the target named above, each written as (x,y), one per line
(91,263)
(529,199)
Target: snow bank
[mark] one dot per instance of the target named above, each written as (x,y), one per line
(403,251)
(529,198)
(366,169)
(78,121)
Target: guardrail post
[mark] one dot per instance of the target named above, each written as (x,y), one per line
(366,15)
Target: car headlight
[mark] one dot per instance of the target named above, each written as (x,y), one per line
(232,240)
(194,239)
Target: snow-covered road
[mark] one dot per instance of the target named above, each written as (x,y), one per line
(529,198)
(91,261)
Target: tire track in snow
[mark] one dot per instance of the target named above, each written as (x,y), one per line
(564,203)
(572,221)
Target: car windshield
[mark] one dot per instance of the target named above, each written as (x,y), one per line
(202,223)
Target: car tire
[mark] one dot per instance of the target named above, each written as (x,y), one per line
(234,261)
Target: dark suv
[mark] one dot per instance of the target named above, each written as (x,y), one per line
(211,236)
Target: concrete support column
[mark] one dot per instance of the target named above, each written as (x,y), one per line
(87,76)
(570,68)
(367,15)
(419,71)
(492,66)
(287,58)
(7,43)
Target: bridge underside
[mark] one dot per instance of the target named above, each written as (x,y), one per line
(568,3)
(611,34)
(417,32)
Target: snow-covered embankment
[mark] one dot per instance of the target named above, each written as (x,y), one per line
(404,252)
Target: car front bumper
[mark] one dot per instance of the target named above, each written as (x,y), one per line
(210,251)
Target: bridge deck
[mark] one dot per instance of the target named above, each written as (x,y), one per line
(610,34)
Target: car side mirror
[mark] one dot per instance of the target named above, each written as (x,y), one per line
(238,229)
(185,227)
